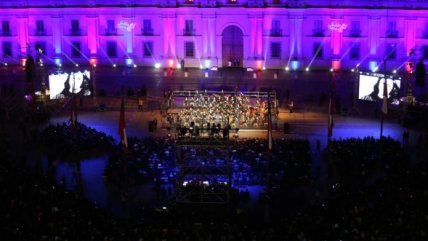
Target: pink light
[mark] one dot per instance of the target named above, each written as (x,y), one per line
(171,63)
(335,64)
(23,60)
(259,64)
(93,61)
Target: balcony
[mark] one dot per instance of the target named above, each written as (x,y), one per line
(318,32)
(111,32)
(147,32)
(40,33)
(75,32)
(355,33)
(276,32)
(392,34)
(189,32)
(6,33)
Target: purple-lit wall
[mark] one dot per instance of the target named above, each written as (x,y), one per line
(344,33)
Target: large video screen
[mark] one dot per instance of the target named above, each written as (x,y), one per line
(371,87)
(62,85)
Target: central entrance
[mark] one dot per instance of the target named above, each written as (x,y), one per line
(232,47)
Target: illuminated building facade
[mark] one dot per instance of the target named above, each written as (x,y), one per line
(274,34)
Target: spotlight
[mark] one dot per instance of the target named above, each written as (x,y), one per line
(94,65)
(135,66)
(77,65)
(287,68)
(307,69)
(201,67)
(5,64)
(157,65)
(331,70)
(264,68)
(41,64)
(114,65)
(394,71)
(60,65)
(352,70)
(178,66)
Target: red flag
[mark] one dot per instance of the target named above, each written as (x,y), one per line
(122,130)
(73,113)
(385,98)
(330,118)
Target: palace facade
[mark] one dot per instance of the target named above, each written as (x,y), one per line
(273,34)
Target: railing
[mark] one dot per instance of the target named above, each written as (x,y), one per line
(147,31)
(189,32)
(75,32)
(111,32)
(276,32)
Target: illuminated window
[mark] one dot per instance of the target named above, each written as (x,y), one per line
(188,28)
(111,27)
(355,29)
(5,28)
(391,31)
(40,27)
(75,28)
(318,28)
(7,49)
(425,51)
(318,50)
(354,53)
(148,48)
(275,50)
(75,49)
(189,49)
(188,1)
(232,1)
(147,27)
(111,49)
(276,28)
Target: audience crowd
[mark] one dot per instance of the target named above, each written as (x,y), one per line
(373,191)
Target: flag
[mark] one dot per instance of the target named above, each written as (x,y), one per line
(269,125)
(122,130)
(385,98)
(330,118)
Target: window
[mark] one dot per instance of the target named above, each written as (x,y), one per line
(276,1)
(276,28)
(425,33)
(188,1)
(148,48)
(354,53)
(75,49)
(189,49)
(111,49)
(5,28)
(147,27)
(40,27)
(275,50)
(392,30)
(318,50)
(40,48)
(391,51)
(7,49)
(111,28)
(188,28)
(355,29)
(75,28)
(232,1)
(425,52)
(318,28)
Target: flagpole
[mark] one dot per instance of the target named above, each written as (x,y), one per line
(384,99)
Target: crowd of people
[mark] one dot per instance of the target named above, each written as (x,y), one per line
(67,142)
(373,191)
